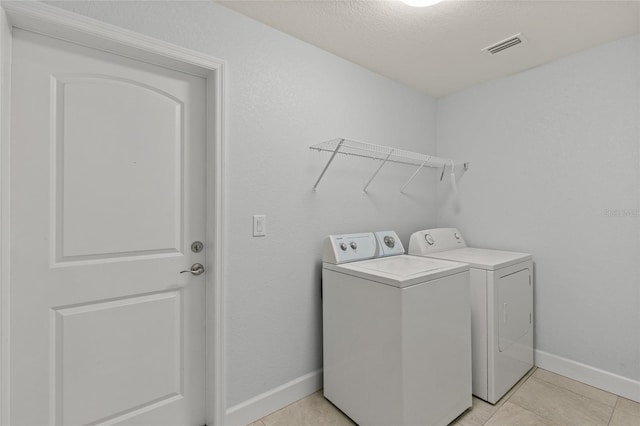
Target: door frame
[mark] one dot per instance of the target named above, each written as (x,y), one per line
(58,23)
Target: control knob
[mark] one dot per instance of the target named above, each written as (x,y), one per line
(354,245)
(389,241)
(429,239)
(343,246)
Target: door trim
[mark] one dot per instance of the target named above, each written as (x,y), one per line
(52,21)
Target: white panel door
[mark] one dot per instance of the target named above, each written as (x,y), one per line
(107,196)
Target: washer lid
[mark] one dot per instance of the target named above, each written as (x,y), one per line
(400,271)
(487,259)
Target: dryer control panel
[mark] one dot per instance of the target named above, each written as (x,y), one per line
(435,240)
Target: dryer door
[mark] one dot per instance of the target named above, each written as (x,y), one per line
(510,327)
(514,304)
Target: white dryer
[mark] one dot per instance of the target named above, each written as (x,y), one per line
(396,332)
(501,308)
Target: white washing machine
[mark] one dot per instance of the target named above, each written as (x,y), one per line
(396,332)
(501,308)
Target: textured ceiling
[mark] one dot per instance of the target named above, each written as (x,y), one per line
(437,49)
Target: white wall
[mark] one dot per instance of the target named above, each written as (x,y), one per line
(283,96)
(555,171)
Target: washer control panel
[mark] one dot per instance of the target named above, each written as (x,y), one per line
(349,247)
(345,248)
(388,244)
(435,240)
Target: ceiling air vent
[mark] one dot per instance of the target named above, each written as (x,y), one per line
(504,44)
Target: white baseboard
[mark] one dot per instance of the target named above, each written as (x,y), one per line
(592,376)
(266,403)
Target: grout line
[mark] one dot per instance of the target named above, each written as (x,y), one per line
(615,406)
(579,394)
(516,387)
(500,403)
(549,419)
(575,393)
(568,390)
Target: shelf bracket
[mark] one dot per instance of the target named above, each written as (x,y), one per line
(413,176)
(335,151)
(377,171)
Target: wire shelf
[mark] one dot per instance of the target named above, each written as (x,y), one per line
(380,152)
(384,154)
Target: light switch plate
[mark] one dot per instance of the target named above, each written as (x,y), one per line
(259,225)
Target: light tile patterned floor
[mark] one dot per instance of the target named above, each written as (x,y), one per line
(541,398)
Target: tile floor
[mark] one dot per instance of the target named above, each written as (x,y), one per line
(540,398)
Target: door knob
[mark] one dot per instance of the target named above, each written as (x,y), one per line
(196,269)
